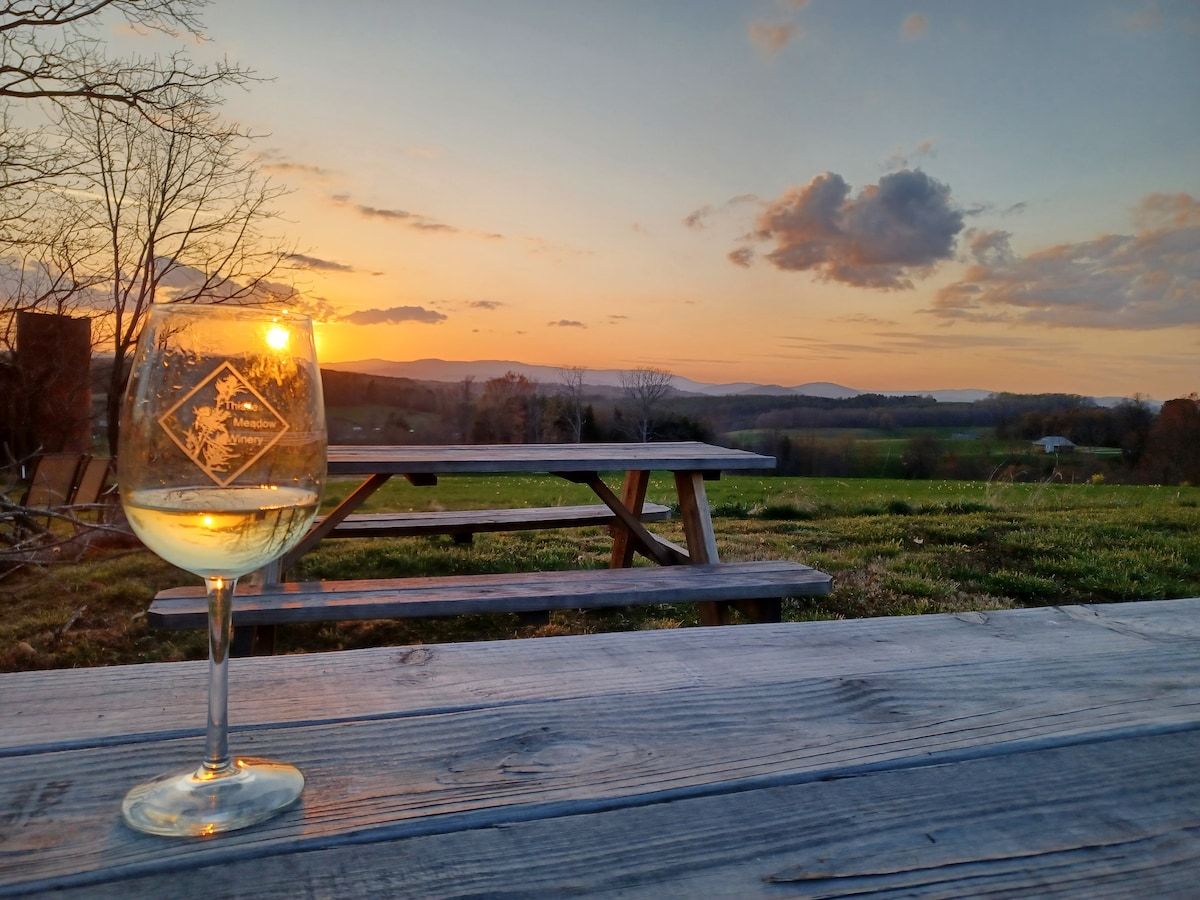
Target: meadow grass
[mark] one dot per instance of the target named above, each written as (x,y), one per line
(893,547)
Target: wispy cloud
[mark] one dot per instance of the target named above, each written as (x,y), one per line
(485,304)
(903,158)
(866,321)
(276,162)
(407,219)
(771,37)
(892,232)
(1145,280)
(394,315)
(319,308)
(699,218)
(1147,18)
(741,256)
(321,265)
(904,343)
(915,26)
(567,323)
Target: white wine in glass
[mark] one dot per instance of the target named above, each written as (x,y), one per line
(221,464)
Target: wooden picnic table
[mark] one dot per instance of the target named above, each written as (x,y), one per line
(691,463)
(755,587)
(1032,753)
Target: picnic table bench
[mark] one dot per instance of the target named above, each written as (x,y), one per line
(463,524)
(688,574)
(521,592)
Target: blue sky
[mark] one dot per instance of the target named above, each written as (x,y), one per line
(899,196)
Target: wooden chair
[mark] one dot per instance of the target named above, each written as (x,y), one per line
(89,494)
(51,488)
(52,484)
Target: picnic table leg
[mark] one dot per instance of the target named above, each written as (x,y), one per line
(701,540)
(633,496)
(702,547)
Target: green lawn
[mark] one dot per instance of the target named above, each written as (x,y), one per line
(893,547)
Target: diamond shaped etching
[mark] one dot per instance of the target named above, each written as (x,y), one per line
(223,424)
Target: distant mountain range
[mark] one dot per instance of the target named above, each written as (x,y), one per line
(483,369)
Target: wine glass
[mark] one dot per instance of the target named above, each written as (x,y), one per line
(221,464)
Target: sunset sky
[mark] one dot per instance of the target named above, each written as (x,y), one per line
(888,195)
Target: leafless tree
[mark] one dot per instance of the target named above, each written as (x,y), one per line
(180,213)
(50,264)
(570,394)
(51,57)
(463,409)
(49,51)
(644,389)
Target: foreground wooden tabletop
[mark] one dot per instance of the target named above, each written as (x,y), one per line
(1025,753)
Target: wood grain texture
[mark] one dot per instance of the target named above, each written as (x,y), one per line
(633,498)
(501,458)
(323,601)
(631,523)
(1113,820)
(938,755)
(469,521)
(73,708)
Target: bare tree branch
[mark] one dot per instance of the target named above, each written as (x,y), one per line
(48,51)
(570,390)
(645,388)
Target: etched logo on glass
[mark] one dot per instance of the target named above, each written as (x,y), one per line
(223,424)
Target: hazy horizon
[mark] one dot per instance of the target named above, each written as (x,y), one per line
(449,371)
(775,191)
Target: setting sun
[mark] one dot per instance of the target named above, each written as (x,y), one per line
(277,337)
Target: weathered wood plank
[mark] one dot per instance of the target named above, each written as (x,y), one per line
(631,524)
(493,764)
(633,498)
(500,458)
(80,707)
(1108,820)
(469,521)
(186,607)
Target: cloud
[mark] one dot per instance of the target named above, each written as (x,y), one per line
(698,218)
(319,308)
(891,232)
(741,256)
(284,167)
(903,343)
(394,315)
(566,323)
(903,158)
(415,221)
(485,304)
(1145,280)
(866,321)
(771,37)
(915,26)
(322,265)
(1147,18)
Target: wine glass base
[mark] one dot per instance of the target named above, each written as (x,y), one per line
(199,802)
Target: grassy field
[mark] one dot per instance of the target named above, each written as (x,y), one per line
(893,547)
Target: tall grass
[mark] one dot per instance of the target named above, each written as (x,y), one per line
(893,547)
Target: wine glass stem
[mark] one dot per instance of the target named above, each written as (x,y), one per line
(220,635)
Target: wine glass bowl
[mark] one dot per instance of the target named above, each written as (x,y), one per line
(221,465)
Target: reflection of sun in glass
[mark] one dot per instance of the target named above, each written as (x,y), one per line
(277,337)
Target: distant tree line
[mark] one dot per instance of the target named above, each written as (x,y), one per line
(509,409)
(800,432)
